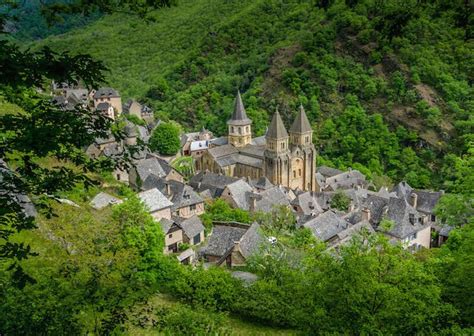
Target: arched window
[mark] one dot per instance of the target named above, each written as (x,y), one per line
(299,172)
(232,129)
(294,173)
(240,130)
(247,129)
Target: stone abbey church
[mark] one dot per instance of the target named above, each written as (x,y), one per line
(285,158)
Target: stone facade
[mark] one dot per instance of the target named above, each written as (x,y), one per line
(285,159)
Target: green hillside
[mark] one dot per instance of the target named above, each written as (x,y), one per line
(387,85)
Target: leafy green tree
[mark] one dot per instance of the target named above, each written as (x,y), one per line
(165,139)
(340,201)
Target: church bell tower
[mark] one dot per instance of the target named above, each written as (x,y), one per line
(239,125)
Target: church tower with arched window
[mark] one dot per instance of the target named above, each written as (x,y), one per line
(303,154)
(239,125)
(276,154)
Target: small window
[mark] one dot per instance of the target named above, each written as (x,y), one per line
(294,173)
(118,177)
(192,207)
(299,172)
(240,130)
(433,218)
(282,145)
(170,235)
(307,139)
(232,129)
(247,129)
(411,218)
(197,239)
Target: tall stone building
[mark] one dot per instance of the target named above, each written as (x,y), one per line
(287,159)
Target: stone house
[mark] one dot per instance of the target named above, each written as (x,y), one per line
(173,235)
(232,244)
(157,204)
(152,166)
(193,229)
(186,202)
(133,107)
(108,98)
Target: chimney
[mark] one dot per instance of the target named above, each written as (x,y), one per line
(366,215)
(253,202)
(414,200)
(311,205)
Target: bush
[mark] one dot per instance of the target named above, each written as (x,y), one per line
(165,139)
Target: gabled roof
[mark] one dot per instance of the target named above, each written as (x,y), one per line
(328,171)
(399,212)
(104,106)
(427,200)
(152,165)
(301,123)
(181,194)
(239,116)
(277,129)
(250,241)
(106,93)
(191,226)
(308,203)
(326,225)
(238,191)
(270,198)
(220,151)
(215,183)
(154,200)
(262,183)
(102,199)
(222,239)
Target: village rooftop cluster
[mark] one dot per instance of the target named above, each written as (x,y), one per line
(255,175)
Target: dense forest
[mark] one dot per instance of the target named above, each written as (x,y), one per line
(388,89)
(387,85)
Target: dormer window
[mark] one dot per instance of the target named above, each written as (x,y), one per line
(411,218)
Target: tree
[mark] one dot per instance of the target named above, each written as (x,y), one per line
(43,131)
(340,201)
(165,139)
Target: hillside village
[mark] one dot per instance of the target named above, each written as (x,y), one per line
(256,175)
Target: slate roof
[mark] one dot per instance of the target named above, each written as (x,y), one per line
(220,141)
(8,189)
(152,165)
(402,190)
(399,212)
(262,183)
(224,150)
(301,123)
(106,93)
(324,198)
(102,199)
(222,239)
(181,196)
(345,180)
(154,200)
(326,225)
(427,200)
(238,191)
(270,198)
(213,182)
(248,160)
(104,106)
(328,171)
(308,203)
(377,206)
(239,116)
(252,150)
(250,241)
(191,226)
(259,141)
(166,224)
(276,129)
(346,235)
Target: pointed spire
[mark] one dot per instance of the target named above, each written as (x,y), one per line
(276,130)
(239,116)
(301,123)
